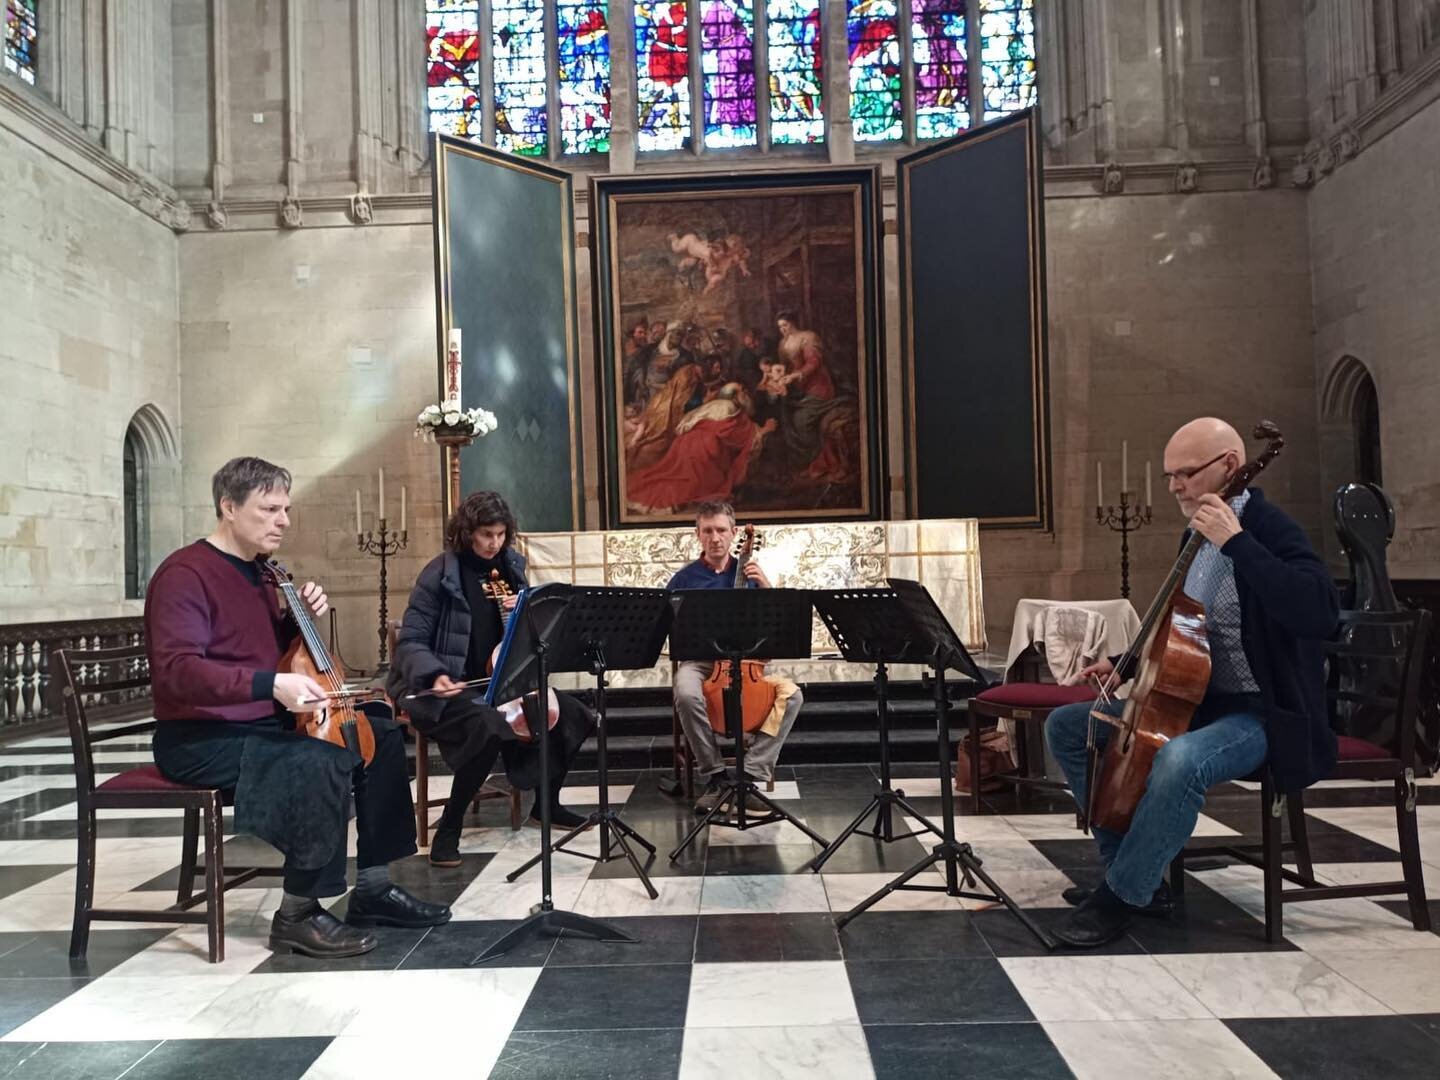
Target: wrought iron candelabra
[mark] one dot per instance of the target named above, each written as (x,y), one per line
(1123,519)
(384,544)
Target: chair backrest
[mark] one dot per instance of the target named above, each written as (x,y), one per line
(79,674)
(1376,659)
(1365,524)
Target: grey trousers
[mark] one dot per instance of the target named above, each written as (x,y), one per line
(690,676)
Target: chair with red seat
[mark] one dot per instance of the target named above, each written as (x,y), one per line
(1020,703)
(142,788)
(1376,661)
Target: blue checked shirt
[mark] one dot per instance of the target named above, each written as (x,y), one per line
(1211,581)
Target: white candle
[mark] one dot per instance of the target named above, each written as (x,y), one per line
(402,506)
(452,366)
(382,494)
(1148,500)
(1124,468)
(358,530)
(1099,486)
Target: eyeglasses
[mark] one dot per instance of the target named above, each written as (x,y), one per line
(1185,475)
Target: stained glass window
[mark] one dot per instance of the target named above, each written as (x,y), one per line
(452,45)
(584,75)
(942,85)
(875,93)
(662,75)
(518,40)
(727,71)
(1008,55)
(20,38)
(792,36)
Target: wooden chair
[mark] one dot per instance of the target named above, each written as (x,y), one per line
(136,789)
(1022,704)
(684,758)
(423,802)
(1390,646)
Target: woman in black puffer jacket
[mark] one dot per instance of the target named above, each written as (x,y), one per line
(450,628)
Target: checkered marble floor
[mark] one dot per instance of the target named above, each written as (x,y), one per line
(737,968)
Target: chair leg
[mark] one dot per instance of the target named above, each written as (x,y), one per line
(1409,830)
(1177,877)
(514,809)
(422,789)
(1295,807)
(974,761)
(84,883)
(1273,857)
(215,879)
(189,845)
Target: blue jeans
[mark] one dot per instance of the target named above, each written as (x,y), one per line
(1226,741)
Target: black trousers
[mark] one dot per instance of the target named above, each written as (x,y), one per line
(294,792)
(471,736)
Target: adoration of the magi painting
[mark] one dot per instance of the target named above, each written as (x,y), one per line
(740,365)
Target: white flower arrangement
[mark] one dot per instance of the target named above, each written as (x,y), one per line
(448,418)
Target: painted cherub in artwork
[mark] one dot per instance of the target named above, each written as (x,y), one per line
(713,258)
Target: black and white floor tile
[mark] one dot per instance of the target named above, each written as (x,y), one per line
(737,968)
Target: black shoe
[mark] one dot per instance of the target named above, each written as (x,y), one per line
(710,797)
(560,817)
(1161,906)
(318,933)
(395,907)
(445,847)
(1100,919)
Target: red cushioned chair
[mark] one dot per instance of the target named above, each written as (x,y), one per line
(143,788)
(1021,703)
(1376,661)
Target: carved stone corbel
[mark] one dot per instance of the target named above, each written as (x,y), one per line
(292,216)
(181,216)
(1264,175)
(1303,174)
(1325,160)
(1187,178)
(216,217)
(1348,145)
(1114,180)
(362,211)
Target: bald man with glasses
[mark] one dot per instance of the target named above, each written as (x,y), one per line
(1269,604)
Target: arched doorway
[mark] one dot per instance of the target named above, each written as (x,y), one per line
(151,494)
(1350,443)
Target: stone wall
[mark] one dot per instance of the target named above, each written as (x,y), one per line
(1375,241)
(87,338)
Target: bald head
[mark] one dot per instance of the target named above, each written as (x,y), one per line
(1199,460)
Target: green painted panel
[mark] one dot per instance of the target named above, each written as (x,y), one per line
(505,273)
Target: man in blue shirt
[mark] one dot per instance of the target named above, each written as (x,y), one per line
(715,569)
(1269,605)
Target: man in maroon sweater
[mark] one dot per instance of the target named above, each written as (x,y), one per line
(215,634)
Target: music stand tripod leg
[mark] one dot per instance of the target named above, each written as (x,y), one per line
(548,919)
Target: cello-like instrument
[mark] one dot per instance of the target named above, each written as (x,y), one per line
(339,722)
(757,694)
(1174,657)
(498,589)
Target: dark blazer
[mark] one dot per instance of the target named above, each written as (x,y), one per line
(1288,608)
(434,636)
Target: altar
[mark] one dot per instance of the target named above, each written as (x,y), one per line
(941,554)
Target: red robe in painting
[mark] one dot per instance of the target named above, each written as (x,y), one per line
(707,461)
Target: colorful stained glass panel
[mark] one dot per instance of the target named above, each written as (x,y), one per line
(727,67)
(662,75)
(792,34)
(452,58)
(20,38)
(942,84)
(584,75)
(1008,55)
(875,94)
(518,44)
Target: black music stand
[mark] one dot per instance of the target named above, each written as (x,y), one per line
(870,627)
(608,629)
(522,668)
(727,626)
(926,626)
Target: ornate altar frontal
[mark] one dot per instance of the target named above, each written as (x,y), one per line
(943,555)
